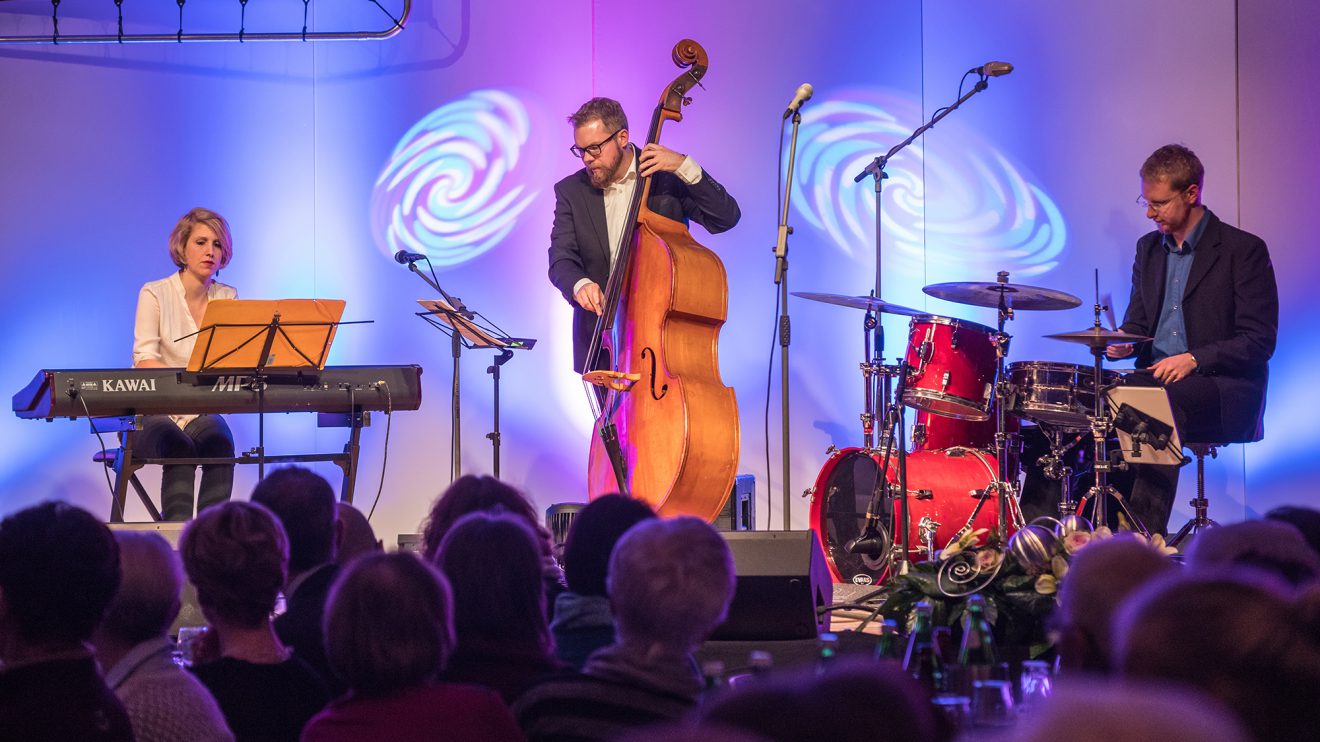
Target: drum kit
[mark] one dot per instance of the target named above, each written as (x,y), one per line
(878,507)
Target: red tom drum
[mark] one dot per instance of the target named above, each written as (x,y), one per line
(952,367)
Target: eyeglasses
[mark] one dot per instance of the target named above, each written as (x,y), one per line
(1158,206)
(593,149)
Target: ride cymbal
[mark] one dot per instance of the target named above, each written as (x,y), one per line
(862,302)
(1015,295)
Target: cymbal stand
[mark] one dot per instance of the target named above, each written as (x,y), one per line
(879,380)
(1101,426)
(870,367)
(1005,483)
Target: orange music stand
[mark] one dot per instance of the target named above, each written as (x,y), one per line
(268,337)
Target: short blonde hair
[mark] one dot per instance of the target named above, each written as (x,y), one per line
(199,215)
(237,556)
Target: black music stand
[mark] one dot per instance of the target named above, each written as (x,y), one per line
(268,341)
(471,330)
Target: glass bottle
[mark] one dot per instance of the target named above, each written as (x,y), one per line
(922,659)
(977,656)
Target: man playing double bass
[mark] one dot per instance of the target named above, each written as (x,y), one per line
(591,208)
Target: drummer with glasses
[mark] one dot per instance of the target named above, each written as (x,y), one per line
(1205,292)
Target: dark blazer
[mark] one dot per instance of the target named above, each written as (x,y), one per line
(1231,310)
(579,245)
(299,626)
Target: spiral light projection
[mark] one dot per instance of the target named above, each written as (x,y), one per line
(990,215)
(451,189)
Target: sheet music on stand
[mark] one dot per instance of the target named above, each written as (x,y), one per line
(467,331)
(1144,423)
(472,332)
(266,335)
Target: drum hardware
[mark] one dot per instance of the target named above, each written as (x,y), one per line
(874,541)
(1005,297)
(927,528)
(1097,338)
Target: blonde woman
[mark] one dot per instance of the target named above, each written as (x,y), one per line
(167,310)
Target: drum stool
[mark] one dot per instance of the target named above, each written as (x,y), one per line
(1200,505)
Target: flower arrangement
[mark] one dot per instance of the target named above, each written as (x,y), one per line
(1019,580)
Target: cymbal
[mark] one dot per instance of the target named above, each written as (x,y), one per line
(861,302)
(1016,295)
(1098,337)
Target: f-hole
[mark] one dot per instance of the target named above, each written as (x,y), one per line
(664,388)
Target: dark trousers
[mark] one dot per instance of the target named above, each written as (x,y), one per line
(1197,411)
(205,436)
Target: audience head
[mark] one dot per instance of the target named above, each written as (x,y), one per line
(387,623)
(59,569)
(670,583)
(690,733)
(1091,711)
(1305,520)
(1240,640)
(237,557)
(358,538)
(1267,545)
(148,598)
(1100,577)
(591,539)
(469,494)
(305,505)
(493,565)
(855,695)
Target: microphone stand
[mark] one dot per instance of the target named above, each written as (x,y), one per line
(456,447)
(781,279)
(876,169)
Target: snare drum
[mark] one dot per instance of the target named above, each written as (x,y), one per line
(951,367)
(1056,394)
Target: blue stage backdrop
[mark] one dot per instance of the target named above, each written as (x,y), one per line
(328,157)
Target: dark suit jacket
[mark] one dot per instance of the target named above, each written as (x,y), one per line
(1231,310)
(579,245)
(299,626)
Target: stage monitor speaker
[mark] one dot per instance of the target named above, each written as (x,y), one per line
(783,584)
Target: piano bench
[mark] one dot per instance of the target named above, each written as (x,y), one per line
(110,458)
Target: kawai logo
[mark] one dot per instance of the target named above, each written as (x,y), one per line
(128,385)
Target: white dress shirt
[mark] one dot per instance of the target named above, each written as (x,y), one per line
(162,318)
(618,197)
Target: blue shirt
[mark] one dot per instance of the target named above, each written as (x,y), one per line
(1171,330)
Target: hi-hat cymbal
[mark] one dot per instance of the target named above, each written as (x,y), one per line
(1098,337)
(1015,295)
(861,302)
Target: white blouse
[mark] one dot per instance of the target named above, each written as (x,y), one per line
(162,318)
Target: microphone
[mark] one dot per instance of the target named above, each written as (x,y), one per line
(403,257)
(802,95)
(993,69)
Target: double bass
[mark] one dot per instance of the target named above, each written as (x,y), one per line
(666,428)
